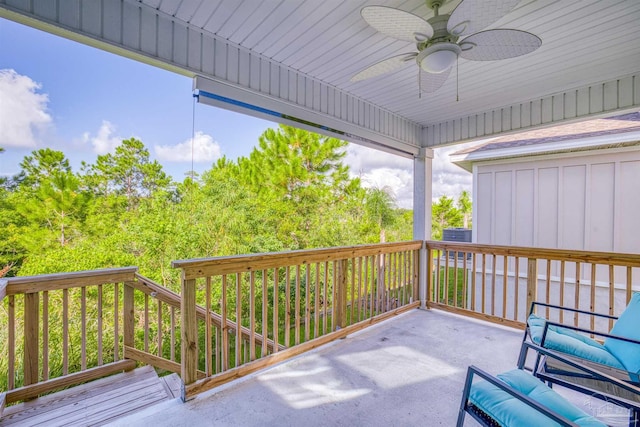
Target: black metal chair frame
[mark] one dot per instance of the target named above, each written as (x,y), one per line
(484,419)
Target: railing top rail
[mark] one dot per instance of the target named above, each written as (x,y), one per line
(201,267)
(609,258)
(48,282)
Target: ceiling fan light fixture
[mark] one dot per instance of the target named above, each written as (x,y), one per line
(438,58)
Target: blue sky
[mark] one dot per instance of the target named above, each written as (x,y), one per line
(83,101)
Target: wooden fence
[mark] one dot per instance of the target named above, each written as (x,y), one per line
(498,283)
(296,300)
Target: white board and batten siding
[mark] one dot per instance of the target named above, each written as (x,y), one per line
(586,201)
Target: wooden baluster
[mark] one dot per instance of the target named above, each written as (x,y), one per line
(334,295)
(484,283)
(307,302)
(431,282)
(353,285)
(83,324)
(473,282)
(455,278)
(31,334)
(128,318)
(159,332)
(493,284)
(287,308)
(65,331)
(505,278)
(276,315)
(367,296)
(224,336)
(592,296)
(577,293)
(297,307)
(173,334)
(629,284)
(316,304)
(340,305)
(11,325)
(532,281)
(611,295)
(548,287)
(45,335)
(116,322)
(438,283)
(325,298)
(189,331)
(562,283)
(445,296)
(146,323)
(516,278)
(265,312)
(465,281)
(239,321)
(252,316)
(208,366)
(100,358)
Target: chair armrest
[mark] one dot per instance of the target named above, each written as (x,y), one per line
(573,310)
(473,370)
(593,372)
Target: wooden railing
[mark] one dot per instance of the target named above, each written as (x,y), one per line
(62,330)
(498,283)
(299,300)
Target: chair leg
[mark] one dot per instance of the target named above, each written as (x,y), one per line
(634,417)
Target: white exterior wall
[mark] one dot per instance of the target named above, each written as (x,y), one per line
(584,201)
(589,201)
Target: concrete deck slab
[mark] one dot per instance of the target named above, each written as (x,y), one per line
(406,371)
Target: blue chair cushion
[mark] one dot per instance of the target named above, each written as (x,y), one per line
(628,326)
(571,342)
(511,412)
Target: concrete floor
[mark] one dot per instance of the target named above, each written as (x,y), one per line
(405,371)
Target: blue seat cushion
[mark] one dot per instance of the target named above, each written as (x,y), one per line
(571,343)
(511,412)
(628,326)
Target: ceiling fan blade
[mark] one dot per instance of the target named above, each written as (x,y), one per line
(471,16)
(430,83)
(383,67)
(491,45)
(397,23)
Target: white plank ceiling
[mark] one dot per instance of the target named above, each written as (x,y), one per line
(588,65)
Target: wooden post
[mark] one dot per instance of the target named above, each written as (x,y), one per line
(128,322)
(341,294)
(189,328)
(429,281)
(532,281)
(31,312)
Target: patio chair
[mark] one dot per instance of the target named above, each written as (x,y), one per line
(617,356)
(516,398)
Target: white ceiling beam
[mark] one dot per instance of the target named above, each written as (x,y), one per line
(143,33)
(598,100)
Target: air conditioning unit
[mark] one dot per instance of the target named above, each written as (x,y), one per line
(457,235)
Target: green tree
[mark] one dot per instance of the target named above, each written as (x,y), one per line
(42,165)
(444,215)
(464,206)
(128,172)
(381,209)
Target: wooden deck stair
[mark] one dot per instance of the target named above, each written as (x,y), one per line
(97,402)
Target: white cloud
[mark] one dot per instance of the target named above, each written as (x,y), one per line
(23,111)
(380,169)
(449,179)
(104,141)
(205,149)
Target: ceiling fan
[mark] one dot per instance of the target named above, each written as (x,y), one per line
(442,39)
